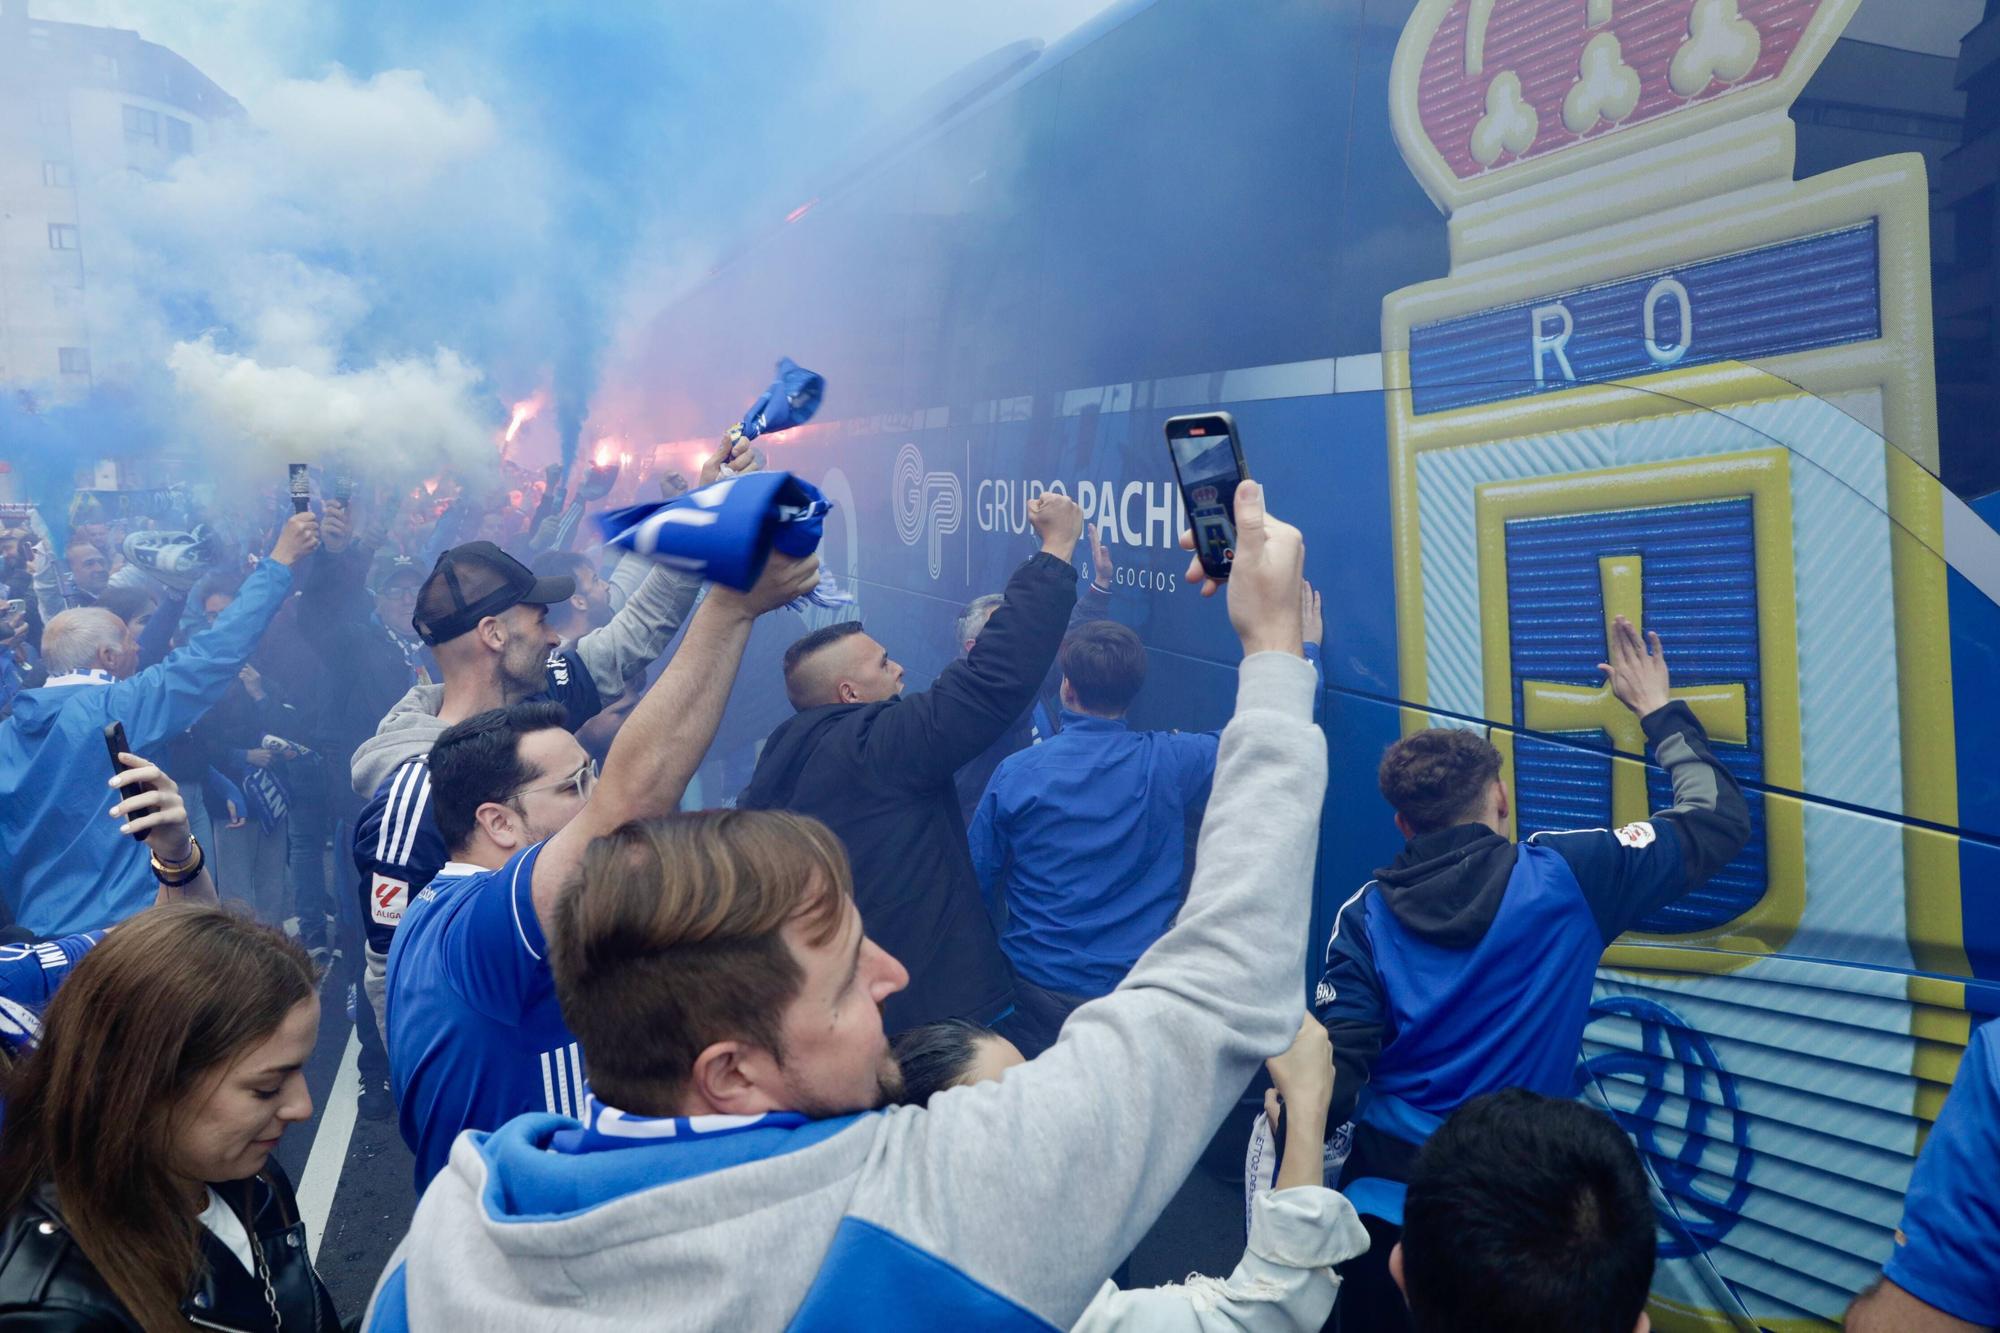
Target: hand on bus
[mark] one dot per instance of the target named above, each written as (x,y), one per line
(1637,671)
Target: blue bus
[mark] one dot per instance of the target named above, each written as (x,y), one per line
(1530,314)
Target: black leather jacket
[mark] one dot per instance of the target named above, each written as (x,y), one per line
(48,1286)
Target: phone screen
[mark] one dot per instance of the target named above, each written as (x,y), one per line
(1209,476)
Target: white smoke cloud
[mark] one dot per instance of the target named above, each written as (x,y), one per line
(405,417)
(414,243)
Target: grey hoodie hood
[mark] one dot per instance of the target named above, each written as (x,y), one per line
(409,732)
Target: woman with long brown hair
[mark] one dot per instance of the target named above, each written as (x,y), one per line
(137,1186)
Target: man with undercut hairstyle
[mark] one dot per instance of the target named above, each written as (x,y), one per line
(877,768)
(1465,966)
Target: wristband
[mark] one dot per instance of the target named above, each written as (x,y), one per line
(176,875)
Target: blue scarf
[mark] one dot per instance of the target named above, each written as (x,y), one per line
(726,531)
(607,1127)
(791,401)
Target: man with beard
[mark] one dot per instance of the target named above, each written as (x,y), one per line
(584,610)
(474,1034)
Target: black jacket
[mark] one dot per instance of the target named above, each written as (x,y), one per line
(365,668)
(48,1286)
(880,775)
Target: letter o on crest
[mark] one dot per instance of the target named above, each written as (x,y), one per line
(1661,290)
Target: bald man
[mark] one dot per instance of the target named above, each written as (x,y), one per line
(877,767)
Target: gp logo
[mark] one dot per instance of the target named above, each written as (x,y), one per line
(925,503)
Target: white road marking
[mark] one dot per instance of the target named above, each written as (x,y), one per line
(329,1151)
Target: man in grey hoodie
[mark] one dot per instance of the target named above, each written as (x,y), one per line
(503,654)
(733,1172)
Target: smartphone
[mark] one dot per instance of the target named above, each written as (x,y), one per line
(17,606)
(1208,464)
(115,744)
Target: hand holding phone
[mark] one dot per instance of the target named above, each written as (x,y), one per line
(1208,463)
(118,747)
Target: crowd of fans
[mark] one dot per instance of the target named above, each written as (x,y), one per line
(924,1031)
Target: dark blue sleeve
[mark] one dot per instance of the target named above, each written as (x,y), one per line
(1349,1004)
(1092,603)
(1950,1258)
(158,639)
(29,975)
(165,700)
(492,946)
(570,684)
(1627,874)
(397,849)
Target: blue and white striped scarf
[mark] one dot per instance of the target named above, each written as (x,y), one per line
(607,1127)
(726,531)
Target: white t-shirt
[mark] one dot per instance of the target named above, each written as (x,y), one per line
(228,1228)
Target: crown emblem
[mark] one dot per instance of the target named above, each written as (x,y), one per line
(1490,95)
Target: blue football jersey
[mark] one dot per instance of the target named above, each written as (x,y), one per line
(29,975)
(475,1036)
(397,847)
(1950,1257)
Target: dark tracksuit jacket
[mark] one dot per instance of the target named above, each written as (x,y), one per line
(880,775)
(1466,966)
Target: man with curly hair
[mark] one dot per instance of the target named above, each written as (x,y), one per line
(1465,965)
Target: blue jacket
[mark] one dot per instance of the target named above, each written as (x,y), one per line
(70,869)
(1083,836)
(1466,966)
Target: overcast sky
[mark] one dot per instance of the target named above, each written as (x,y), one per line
(245,44)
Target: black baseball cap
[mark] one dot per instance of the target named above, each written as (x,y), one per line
(388,567)
(477,580)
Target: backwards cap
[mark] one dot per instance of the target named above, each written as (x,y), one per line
(477,580)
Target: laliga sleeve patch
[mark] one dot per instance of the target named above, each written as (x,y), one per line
(1637,835)
(386,900)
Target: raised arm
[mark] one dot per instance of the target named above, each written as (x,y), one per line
(178,863)
(641,630)
(656,602)
(1629,874)
(164,700)
(1139,1080)
(929,736)
(663,741)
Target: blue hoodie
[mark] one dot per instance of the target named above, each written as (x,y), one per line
(71,869)
(1466,965)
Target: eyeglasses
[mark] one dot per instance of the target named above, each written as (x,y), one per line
(579,784)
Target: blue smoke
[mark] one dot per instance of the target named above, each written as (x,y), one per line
(679,121)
